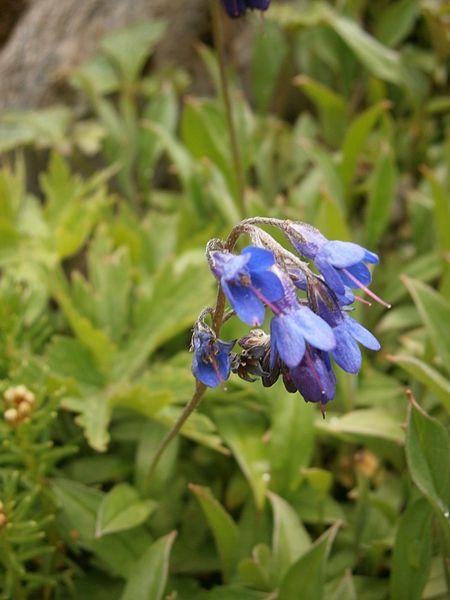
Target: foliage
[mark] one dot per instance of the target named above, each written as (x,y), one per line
(345,125)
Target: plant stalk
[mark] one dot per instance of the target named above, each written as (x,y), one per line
(216,14)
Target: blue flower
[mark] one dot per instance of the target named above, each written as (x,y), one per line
(313,377)
(211,363)
(247,281)
(342,264)
(346,330)
(237,8)
(294,323)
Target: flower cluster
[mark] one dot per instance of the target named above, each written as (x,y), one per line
(309,328)
(20,402)
(238,8)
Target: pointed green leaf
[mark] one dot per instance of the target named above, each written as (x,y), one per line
(436,383)
(434,310)
(382,188)
(356,138)
(148,577)
(379,60)
(290,539)
(291,442)
(120,509)
(306,578)
(243,432)
(129,48)
(411,560)
(428,456)
(224,529)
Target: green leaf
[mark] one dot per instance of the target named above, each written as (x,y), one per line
(292,439)
(428,456)
(129,49)
(435,313)
(110,280)
(435,382)
(411,560)
(178,295)
(396,21)
(356,138)
(331,106)
(243,432)
(99,344)
(382,188)
(225,530)
(268,51)
(379,60)
(148,578)
(368,422)
(120,509)
(306,578)
(441,210)
(290,539)
(79,505)
(67,358)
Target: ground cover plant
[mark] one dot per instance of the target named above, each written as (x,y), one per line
(341,122)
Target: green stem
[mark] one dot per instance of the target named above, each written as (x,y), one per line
(216,13)
(200,388)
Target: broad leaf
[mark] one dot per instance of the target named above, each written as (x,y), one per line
(306,578)
(120,509)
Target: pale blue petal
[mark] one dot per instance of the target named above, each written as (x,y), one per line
(361,334)
(347,353)
(342,254)
(287,339)
(314,329)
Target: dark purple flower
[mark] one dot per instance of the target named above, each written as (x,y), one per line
(313,377)
(294,323)
(346,330)
(235,8)
(211,362)
(342,264)
(247,281)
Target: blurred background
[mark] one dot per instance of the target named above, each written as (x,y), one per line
(115,170)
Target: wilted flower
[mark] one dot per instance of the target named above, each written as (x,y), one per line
(211,363)
(254,359)
(247,281)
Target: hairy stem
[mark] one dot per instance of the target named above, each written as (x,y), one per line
(216,13)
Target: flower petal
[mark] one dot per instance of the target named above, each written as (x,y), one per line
(234,266)
(205,372)
(347,353)
(331,275)
(287,339)
(342,254)
(360,272)
(268,285)
(361,334)
(314,329)
(260,258)
(246,305)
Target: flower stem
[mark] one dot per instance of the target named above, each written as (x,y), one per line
(216,15)
(200,388)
